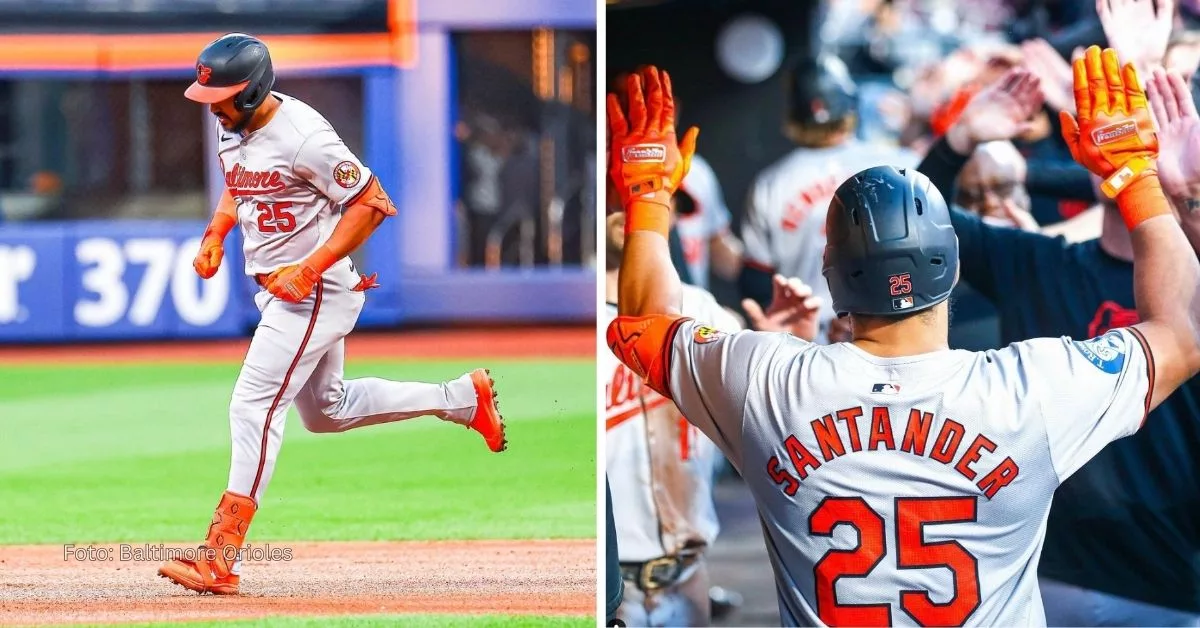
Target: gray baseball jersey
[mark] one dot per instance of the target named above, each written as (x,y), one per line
(289,180)
(910,490)
(784,225)
(659,466)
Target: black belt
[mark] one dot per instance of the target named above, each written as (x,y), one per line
(660,572)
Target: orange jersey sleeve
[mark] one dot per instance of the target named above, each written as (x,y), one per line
(643,343)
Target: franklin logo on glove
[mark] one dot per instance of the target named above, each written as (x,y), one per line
(1114,132)
(644,153)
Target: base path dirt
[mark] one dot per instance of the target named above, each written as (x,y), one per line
(37,586)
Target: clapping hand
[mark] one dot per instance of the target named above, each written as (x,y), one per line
(1001,111)
(793,309)
(1178,137)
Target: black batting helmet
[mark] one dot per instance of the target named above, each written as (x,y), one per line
(891,248)
(820,90)
(235,65)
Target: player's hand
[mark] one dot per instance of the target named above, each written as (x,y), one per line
(793,309)
(645,161)
(1179,134)
(1000,111)
(1020,217)
(1113,136)
(208,260)
(292,283)
(1053,72)
(1136,31)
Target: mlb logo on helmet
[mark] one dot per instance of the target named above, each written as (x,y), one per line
(903,303)
(820,112)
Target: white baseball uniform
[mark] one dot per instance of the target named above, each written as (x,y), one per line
(711,218)
(660,471)
(784,226)
(290,179)
(909,490)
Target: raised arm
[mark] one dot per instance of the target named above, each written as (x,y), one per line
(646,168)
(1114,138)
(991,256)
(1178,147)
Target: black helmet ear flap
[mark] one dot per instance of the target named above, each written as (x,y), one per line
(258,87)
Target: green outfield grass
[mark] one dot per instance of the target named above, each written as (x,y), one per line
(137,453)
(419,621)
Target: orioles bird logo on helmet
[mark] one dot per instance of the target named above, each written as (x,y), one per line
(203,72)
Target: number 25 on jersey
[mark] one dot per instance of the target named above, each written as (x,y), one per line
(912,516)
(275,217)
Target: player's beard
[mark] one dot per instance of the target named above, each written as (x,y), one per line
(241,122)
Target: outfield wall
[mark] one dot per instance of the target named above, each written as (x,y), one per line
(95,280)
(79,280)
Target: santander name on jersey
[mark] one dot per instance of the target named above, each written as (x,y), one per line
(875,427)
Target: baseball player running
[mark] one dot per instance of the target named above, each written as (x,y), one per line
(900,482)
(303,202)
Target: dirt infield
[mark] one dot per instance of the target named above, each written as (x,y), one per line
(37,586)
(507,343)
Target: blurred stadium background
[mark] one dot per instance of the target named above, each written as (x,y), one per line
(477,116)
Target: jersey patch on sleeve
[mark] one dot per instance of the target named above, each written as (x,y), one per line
(1106,352)
(347,174)
(705,335)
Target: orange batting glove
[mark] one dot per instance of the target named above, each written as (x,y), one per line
(645,163)
(212,247)
(294,283)
(1114,136)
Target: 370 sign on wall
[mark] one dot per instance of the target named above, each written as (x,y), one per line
(113,280)
(108,299)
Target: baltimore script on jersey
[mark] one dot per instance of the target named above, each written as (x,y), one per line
(880,434)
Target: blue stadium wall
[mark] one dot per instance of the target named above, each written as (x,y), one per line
(113,280)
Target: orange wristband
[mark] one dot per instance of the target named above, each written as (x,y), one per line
(321,259)
(647,216)
(220,226)
(1142,200)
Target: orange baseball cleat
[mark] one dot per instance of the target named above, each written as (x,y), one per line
(214,570)
(487,420)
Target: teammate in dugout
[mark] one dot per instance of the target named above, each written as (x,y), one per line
(1123,537)
(784,226)
(662,468)
(899,481)
(303,202)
